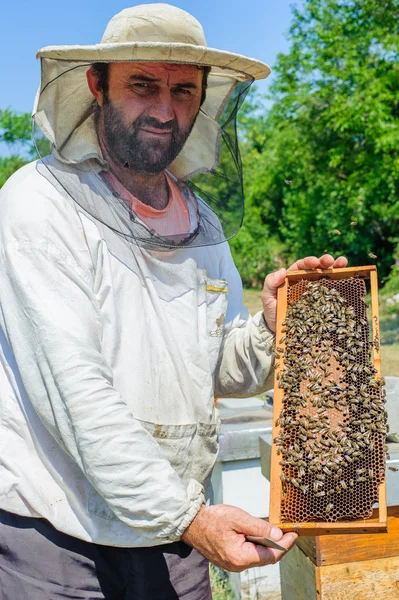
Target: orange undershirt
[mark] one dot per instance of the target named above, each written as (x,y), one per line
(173,220)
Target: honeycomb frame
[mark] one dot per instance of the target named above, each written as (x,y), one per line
(293,506)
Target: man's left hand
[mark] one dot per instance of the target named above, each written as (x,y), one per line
(275,279)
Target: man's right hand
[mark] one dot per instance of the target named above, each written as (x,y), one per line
(219,531)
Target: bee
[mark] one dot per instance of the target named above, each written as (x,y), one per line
(394,469)
(329,507)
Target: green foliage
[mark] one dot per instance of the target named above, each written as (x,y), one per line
(16,132)
(221,589)
(15,128)
(392,285)
(8,166)
(322,167)
(254,251)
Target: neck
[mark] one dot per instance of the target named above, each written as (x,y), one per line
(149,188)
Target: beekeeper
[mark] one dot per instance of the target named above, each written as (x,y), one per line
(121,319)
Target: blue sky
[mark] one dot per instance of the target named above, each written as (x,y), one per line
(256,28)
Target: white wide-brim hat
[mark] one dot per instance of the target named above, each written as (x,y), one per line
(149,32)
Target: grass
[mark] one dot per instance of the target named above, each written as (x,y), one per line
(390,360)
(389,333)
(252,300)
(221,589)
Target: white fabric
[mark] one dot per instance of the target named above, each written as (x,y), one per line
(149,32)
(107,375)
(156,32)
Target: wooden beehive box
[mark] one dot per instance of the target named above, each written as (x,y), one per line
(323,568)
(329,430)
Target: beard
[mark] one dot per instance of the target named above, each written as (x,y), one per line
(126,146)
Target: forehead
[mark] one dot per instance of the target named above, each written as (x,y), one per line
(156,70)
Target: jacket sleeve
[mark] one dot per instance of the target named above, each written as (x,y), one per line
(247,350)
(50,317)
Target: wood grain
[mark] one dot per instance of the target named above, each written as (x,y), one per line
(316,274)
(376,579)
(371,579)
(321,528)
(298,577)
(275,470)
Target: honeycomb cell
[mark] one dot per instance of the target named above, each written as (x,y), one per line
(332,426)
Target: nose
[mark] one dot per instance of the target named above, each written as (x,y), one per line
(161,107)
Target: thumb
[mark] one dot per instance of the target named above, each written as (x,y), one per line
(249,525)
(262,528)
(272,282)
(269,296)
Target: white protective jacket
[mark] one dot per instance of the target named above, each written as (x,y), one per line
(108,377)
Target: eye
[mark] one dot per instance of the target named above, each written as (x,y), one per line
(183,92)
(142,87)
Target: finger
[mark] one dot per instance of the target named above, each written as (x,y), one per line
(340,263)
(326,261)
(288,541)
(310,262)
(269,555)
(259,555)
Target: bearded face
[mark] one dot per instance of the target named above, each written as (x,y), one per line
(147,112)
(146,145)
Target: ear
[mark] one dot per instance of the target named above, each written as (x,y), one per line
(92,82)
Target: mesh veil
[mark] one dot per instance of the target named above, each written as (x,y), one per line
(213,191)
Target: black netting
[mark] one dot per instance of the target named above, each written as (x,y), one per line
(224,192)
(214,196)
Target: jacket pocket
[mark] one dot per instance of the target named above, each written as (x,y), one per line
(190,449)
(216,306)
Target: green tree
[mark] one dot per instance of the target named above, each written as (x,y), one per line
(16,133)
(323,165)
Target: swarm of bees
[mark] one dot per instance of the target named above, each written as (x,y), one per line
(332,427)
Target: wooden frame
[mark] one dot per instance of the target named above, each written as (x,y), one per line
(378,524)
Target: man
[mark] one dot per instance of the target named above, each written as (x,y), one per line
(121,319)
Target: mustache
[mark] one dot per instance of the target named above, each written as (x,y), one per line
(155,124)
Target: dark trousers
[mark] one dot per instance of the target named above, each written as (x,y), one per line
(37,562)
